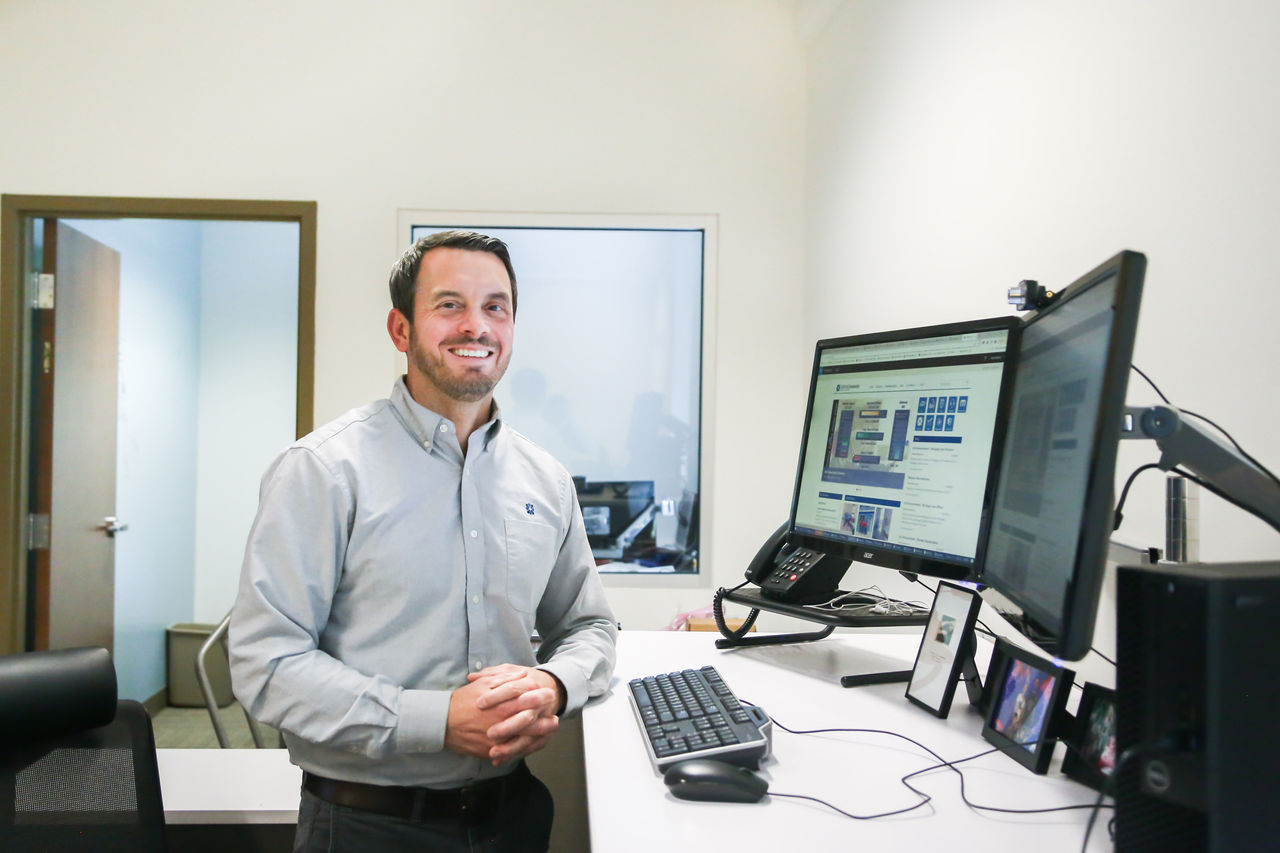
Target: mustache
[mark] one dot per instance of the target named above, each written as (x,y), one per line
(483,340)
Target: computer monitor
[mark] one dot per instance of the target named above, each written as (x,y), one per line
(1052,520)
(618,515)
(900,435)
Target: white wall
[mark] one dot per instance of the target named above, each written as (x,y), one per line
(956,148)
(248,390)
(559,106)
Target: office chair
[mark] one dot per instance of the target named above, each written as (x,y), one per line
(217,644)
(77,768)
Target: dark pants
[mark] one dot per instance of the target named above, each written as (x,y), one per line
(521,824)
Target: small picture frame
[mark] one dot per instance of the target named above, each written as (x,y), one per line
(947,640)
(1091,749)
(1026,697)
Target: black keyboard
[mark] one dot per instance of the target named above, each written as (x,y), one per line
(694,714)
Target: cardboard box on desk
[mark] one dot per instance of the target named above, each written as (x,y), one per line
(708,623)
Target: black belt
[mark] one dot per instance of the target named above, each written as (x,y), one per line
(470,803)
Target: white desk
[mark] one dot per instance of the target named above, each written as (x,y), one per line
(631,810)
(228,786)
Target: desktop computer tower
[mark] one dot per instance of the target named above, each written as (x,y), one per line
(1198,706)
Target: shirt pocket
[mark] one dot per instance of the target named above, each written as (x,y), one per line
(531,554)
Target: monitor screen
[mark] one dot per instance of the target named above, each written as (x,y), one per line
(611,509)
(1046,551)
(899,437)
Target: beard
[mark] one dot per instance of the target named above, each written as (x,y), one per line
(463,387)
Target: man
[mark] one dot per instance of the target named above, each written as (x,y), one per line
(401,558)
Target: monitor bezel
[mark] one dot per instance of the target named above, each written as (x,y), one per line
(886,557)
(1072,637)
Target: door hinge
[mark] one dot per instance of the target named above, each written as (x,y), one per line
(42,290)
(37,532)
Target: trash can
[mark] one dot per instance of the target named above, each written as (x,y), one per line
(182,645)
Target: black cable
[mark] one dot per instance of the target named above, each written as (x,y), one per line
(1124,493)
(717,610)
(1226,497)
(1228,435)
(1093,816)
(1235,444)
(924,798)
(1106,788)
(951,766)
(840,810)
(984,629)
(1101,655)
(1159,393)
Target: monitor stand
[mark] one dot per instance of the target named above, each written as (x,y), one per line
(832,619)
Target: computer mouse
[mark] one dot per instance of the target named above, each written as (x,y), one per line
(715,781)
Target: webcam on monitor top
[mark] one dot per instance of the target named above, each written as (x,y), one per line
(1028,295)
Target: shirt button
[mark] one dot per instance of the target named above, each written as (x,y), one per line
(474,534)
(479,664)
(475,599)
(444,427)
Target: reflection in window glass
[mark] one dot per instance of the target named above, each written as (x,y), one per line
(606,375)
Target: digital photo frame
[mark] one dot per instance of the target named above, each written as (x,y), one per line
(945,649)
(1091,749)
(1027,694)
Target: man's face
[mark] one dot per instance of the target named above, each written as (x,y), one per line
(459,342)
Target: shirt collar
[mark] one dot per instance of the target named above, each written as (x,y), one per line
(424,424)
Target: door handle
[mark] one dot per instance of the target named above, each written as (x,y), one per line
(111,526)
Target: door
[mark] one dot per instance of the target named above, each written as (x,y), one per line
(75,468)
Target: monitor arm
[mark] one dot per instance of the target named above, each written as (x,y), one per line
(1220,467)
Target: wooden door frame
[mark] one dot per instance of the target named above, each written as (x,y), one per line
(14,210)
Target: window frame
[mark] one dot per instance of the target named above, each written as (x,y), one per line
(708,224)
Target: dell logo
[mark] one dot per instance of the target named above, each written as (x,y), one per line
(866,555)
(1157,779)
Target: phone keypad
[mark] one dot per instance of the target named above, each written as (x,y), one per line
(793,567)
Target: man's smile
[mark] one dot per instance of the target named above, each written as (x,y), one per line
(471,352)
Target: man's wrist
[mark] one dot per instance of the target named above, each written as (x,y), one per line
(562,695)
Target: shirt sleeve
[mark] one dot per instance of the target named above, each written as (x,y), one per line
(292,566)
(579,634)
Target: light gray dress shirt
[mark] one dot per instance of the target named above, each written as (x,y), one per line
(383,565)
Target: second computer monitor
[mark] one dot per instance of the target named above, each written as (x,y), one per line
(900,434)
(1054,505)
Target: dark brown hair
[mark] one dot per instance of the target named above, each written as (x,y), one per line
(404,275)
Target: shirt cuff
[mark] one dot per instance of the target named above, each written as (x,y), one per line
(575,686)
(424,714)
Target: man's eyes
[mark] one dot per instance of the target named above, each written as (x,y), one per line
(455,305)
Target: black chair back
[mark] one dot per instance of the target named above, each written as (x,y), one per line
(77,767)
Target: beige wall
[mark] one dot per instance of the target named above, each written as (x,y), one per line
(957,148)
(558,106)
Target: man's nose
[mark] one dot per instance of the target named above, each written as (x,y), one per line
(475,323)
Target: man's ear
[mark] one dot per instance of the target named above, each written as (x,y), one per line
(398,329)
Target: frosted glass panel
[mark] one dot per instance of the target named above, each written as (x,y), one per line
(606,375)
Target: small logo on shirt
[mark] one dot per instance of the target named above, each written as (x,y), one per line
(528,508)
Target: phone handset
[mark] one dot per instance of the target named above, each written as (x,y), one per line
(765,560)
(795,574)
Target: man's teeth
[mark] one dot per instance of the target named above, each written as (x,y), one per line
(472,353)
